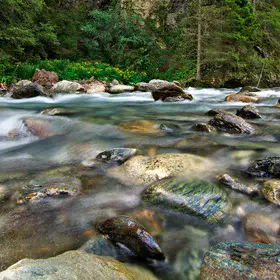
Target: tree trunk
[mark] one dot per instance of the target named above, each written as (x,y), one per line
(198,62)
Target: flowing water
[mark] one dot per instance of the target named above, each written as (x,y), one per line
(55,148)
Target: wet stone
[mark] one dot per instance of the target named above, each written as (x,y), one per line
(235,185)
(204,127)
(241,260)
(249,112)
(194,197)
(227,122)
(117,155)
(131,234)
(268,167)
(271,191)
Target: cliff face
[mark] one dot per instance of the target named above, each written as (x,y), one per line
(159,10)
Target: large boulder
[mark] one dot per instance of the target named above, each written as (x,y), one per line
(28,91)
(67,87)
(241,97)
(241,260)
(227,122)
(144,170)
(74,265)
(268,167)
(45,78)
(195,197)
(167,91)
(120,89)
(249,112)
(95,86)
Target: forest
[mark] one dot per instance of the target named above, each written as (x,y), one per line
(218,43)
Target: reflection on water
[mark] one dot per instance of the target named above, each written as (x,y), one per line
(50,149)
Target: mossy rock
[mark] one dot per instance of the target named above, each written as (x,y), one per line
(241,260)
(198,198)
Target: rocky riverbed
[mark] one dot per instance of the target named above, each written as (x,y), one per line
(149,182)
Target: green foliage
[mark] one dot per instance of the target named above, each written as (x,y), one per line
(68,70)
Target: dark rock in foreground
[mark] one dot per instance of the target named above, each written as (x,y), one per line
(268,167)
(249,112)
(227,122)
(241,260)
(131,234)
(204,127)
(198,198)
(28,91)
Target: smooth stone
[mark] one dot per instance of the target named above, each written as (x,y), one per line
(75,265)
(121,88)
(117,155)
(115,82)
(249,112)
(262,228)
(271,191)
(235,185)
(203,127)
(95,87)
(28,91)
(144,170)
(145,87)
(227,122)
(241,260)
(241,97)
(128,232)
(67,87)
(22,83)
(268,167)
(198,198)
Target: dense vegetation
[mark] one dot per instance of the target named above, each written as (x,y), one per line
(239,40)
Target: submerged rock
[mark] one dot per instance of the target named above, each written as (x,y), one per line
(194,197)
(131,234)
(74,265)
(241,97)
(268,167)
(120,89)
(271,191)
(227,122)
(235,185)
(143,170)
(67,87)
(117,155)
(204,127)
(249,112)
(142,126)
(241,260)
(214,112)
(261,228)
(28,91)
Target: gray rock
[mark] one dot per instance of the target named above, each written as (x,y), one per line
(67,87)
(227,122)
(143,170)
(75,265)
(28,91)
(235,185)
(241,260)
(121,88)
(249,112)
(117,155)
